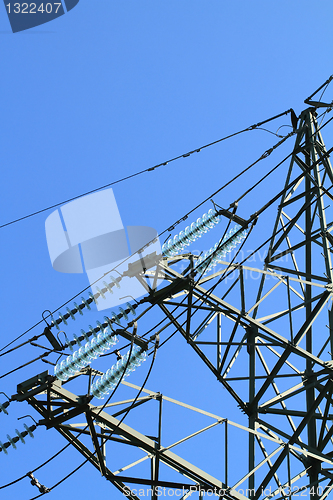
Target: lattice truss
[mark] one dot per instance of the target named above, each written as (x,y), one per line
(100,436)
(278,339)
(265,334)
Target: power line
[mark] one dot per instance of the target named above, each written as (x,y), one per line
(226,274)
(150,169)
(102,408)
(34,470)
(263,156)
(88,287)
(266,206)
(63,479)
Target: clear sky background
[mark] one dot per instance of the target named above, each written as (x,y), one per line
(112,88)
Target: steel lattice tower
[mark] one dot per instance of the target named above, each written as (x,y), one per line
(271,349)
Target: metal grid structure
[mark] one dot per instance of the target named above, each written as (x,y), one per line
(271,350)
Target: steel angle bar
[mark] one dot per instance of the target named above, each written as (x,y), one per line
(78,428)
(297,226)
(230,343)
(297,197)
(287,230)
(129,466)
(202,342)
(294,261)
(175,401)
(165,448)
(314,167)
(325,416)
(155,461)
(125,402)
(216,274)
(295,348)
(298,273)
(226,352)
(294,438)
(293,248)
(295,413)
(233,284)
(324,160)
(285,485)
(204,324)
(132,406)
(218,340)
(264,452)
(202,355)
(329,237)
(187,494)
(235,356)
(291,192)
(74,441)
(265,366)
(294,450)
(264,461)
(166,484)
(279,314)
(264,297)
(327,490)
(143,442)
(312,316)
(267,342)
(266,272)
(242,289)
(96,444)
(296,370)
(326,439)
(291,309)
(305,168)
(261,377)
(307,324)
(189,315)
(325,243)
(292,391)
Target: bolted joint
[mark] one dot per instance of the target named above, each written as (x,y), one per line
(329,364)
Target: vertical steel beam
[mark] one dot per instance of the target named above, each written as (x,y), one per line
(252,332)
(310,391)
(219,340)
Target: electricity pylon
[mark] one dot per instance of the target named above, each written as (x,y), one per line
(272,349)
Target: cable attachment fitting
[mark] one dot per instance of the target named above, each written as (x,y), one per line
(35,482)
(5,404)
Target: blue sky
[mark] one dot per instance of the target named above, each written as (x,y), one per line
(112,88)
